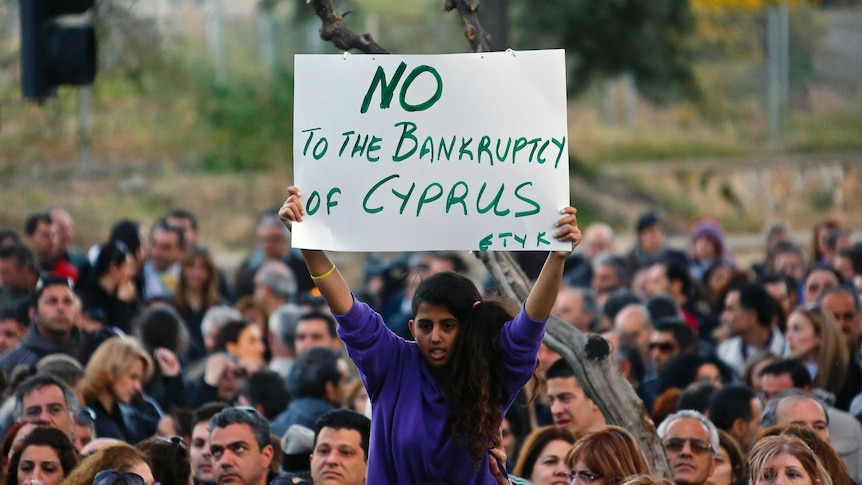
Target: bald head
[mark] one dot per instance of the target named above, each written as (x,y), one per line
(634,322)
(598,239)
(570,307)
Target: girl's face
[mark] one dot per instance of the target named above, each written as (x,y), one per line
(704,249)
(784,469)
(719,278)
(250,345)
(436,331)
(40,463)
(722,474)
(803,341)
(127,385)
(196,274)
(550,467)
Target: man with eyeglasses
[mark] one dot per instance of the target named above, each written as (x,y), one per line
(43,397)
(843,304)
(240,446)
(691,442)
(53,331)
(670,337)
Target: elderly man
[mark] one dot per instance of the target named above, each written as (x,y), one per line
(842,431)
(43,397)
(691,442)
(795,406)
(577,307)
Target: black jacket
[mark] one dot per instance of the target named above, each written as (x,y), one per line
(124,422)
(34,347)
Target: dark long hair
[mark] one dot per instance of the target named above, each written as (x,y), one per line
(475,386)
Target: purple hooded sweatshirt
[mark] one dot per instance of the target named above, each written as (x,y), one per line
(411,442)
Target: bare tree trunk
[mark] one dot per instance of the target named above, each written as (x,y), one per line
(597,374)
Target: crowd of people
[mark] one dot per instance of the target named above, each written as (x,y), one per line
(140,361)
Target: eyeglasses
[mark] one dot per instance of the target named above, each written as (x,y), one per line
(582,477)
(112,477)
(664,347)
(677,444)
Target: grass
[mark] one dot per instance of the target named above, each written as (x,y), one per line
(837,131)
(671,135)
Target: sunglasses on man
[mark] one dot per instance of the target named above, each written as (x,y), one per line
(677,444)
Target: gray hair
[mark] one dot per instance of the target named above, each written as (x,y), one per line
(276,276)
(271,220)
(282,323)
(217,316)
(37,382)
(243,415)
(591,306)
(638,308)
(689,414)
(770,413)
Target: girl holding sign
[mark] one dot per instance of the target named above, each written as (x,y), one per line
(438,402)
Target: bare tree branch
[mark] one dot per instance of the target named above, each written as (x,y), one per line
(597,374)
(479,39)
(335,30)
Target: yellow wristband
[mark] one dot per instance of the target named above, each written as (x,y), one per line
(324,275)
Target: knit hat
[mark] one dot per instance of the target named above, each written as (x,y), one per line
(296,446)
(711,231)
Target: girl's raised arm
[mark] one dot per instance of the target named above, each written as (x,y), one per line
(544,293)
(326,276)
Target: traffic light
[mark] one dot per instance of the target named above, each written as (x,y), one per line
(58,46)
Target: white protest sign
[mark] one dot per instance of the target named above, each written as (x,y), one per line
(442,152)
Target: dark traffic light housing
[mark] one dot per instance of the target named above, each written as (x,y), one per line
(57,48)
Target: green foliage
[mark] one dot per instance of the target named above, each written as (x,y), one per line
(731,64)
(250,123)
(606,38)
